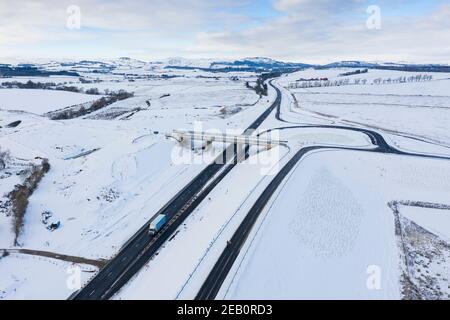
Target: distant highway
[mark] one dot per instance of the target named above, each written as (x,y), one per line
(141,247)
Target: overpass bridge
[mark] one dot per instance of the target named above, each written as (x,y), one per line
(186,137)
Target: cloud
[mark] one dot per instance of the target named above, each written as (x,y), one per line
(164,17)
(111,25)
(296,6)
(337,34)
(301,30)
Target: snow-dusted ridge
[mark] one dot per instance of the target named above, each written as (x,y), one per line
(250,64)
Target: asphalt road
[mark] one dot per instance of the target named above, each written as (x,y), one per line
(141,247)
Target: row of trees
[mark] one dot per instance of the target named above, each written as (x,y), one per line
(351,73)
(84,109)
(48,86)
(22,192)
(346,82)
(416,78)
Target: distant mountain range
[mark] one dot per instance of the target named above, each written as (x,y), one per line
(255,64)
(31,71)
(388,66)
(260,64)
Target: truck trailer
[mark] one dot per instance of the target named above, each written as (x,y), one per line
(157,223)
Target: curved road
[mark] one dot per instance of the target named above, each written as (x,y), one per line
(219,272)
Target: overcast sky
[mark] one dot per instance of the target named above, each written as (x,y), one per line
(313,31)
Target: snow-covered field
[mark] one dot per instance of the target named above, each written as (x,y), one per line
(40,101)
(415,109)
(330,225)
(37,278)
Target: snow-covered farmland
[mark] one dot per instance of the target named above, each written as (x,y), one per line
(330,227)
(183,101)
(419,110)
(40,101)
(38,278)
